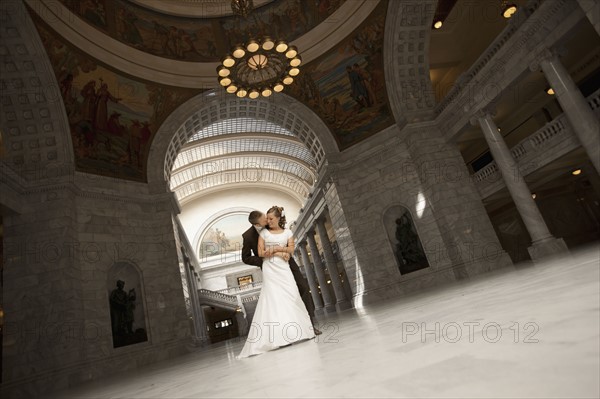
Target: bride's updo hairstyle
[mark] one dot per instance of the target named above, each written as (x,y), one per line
(280,213)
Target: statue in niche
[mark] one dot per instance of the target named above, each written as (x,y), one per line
(118,308)
(122,307)
(409,250)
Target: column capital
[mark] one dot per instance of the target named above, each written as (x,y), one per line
(319,219)
(488,112)
(546,54)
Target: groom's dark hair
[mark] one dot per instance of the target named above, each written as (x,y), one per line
(253,217)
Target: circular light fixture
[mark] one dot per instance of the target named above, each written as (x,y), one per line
(291,52)
(533,195)
(228,61)
(268,44)
(252,46)
(222,71)
(550,91)
(281,46)
(238,52)
(296,61)
(258,61)
(508,10)
(438,24)
(576,172)
(259,67)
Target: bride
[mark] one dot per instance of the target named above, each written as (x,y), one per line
(281,317)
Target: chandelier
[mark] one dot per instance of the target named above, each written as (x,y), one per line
(242,7)
(259,67)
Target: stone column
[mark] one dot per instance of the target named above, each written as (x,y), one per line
(575,106)
(543,243)
(591,8)
(593,176)
(329,305)
(310,276)
(342,302)
(197,314)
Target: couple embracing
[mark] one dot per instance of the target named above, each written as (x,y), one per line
(285,311)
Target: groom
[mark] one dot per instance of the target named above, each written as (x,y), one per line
(258,220)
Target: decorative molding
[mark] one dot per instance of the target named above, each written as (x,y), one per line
(210,107)
(406,58)
(537,150)
(540,25)
(180,73)
(33,118)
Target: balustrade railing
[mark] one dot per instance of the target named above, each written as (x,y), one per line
(485,172)
(218,296)
(229,301)
(538,140)
(241,288)
(513,25)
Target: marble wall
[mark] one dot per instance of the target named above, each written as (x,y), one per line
(57,258)
(414,168)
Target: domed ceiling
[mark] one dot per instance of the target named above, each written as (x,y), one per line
(124,66)
(198,39)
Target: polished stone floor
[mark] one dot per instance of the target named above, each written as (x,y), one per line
(528,331)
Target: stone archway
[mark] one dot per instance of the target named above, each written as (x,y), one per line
(211,107)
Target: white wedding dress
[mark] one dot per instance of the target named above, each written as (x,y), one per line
(280,317)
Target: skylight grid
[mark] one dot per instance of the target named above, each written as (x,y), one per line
(239,125)
(241,176)
(211,150)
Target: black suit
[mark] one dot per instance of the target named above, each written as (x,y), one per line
(250,245)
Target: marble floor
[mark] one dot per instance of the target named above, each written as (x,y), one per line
(527,331)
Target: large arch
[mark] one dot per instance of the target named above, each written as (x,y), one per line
(214,106)
(33,121)
(406,59)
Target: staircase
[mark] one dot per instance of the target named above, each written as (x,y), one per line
(219,299)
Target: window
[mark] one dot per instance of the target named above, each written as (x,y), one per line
(245,280)
(223,323)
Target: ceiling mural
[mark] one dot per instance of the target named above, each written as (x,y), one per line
(346,87)
(113,117)
(199,39)
(223,237)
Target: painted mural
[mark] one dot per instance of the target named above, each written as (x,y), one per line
(199,39)
(223,237)
(346,86)
(112,117)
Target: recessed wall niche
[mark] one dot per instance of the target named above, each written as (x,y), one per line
(404,240)
(126,303)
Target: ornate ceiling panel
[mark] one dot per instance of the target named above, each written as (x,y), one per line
(238,151)
(199,39)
